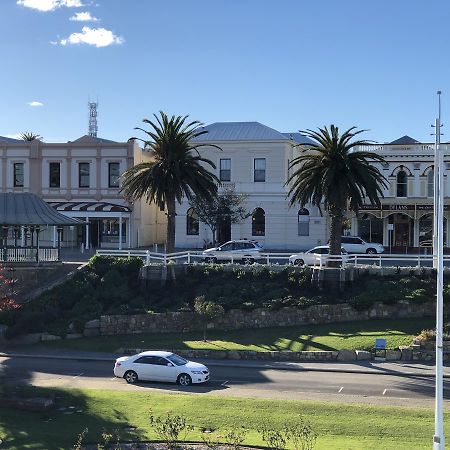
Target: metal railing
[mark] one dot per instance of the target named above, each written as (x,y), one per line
(356,260)
(28,254)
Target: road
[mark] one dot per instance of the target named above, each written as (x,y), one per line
(234,381)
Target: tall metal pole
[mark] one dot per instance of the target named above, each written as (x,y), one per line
(438,439)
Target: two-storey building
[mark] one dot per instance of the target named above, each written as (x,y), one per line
(254,159)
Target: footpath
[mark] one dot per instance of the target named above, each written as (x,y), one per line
(394,368)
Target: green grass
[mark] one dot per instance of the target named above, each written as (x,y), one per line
(348,427)
(347,335)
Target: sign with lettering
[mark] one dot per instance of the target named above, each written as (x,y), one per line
(401,208)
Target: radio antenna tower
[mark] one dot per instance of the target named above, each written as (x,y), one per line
(93,128)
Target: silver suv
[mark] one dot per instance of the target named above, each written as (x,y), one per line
(354,244)
(243,251)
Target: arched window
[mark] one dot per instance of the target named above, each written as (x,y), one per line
(402,184)
(430,183)
(258,222)
(192,223)
(303,222)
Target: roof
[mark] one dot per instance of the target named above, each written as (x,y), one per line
(10,140)
(29,209)
(91,139)
(240,131)
(155,353)
(404,140)
(89,206)
(299,138)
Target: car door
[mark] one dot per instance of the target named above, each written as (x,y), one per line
(350,244)
(225,251)
(166,370)
(143,366)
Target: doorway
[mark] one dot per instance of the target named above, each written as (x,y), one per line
(224,230)
(403,235)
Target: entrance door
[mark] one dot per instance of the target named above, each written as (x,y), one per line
(402,230)
(94,233)
(224,231)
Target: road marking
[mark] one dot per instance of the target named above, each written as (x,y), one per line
(79,375)
(224,383)
(340,390)
(384,392)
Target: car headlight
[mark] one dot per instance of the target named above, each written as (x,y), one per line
(197,372)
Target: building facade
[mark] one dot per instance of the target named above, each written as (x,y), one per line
(80,179)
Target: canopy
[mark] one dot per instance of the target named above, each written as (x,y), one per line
(29,209)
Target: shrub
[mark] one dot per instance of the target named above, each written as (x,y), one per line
(273,437)
(27,322)
(169,428)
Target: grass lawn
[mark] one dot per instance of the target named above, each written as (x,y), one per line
(338,426)
(348,335)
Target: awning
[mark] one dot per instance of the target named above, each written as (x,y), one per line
(25,208)
(89,206)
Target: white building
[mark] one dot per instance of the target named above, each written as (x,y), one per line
(254,160)
(81,179)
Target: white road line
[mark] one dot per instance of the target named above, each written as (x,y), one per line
(79,375)
(224,383)
(384,392)
(340,390)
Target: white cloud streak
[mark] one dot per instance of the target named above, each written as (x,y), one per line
(100,37)
(35,104)
(84,17)
(49,5)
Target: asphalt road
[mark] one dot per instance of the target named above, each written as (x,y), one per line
(234,381)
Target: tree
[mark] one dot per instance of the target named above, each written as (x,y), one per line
(333,174)
(177,169)
(30,136)
(228,205)
(208,311)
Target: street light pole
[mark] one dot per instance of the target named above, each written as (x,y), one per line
(438,438)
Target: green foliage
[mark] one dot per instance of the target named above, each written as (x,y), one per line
(301,434)
(206,309)
(168,428)
(273,437)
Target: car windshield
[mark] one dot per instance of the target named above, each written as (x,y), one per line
(177,360)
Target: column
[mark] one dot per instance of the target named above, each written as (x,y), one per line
(129,233)
(22,236)
(416,232)
(54,236)
(59,230)
(86,246)
(120,233)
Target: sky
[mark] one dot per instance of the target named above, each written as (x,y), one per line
(291,64)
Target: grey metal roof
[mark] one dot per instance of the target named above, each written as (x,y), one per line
(29,209)
(299,138)
(404,140)
(91,139)
(240,131)
(10,140)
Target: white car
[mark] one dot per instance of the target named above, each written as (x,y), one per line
(160,366)
(312,257)
(240,251)
(354,244)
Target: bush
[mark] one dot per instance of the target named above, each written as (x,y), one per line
(27,322)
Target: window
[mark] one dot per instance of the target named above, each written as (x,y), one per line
(55,175)
(258,222)
(18,175)
(110,231)
(370,228)
(259,173)
(430,183)
(192,222)
(225,170)
(402,184)
(83,175)
(303,222)
(113,174)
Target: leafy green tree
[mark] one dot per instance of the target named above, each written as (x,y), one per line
(332,173)
(177,169)
(228,205)
(30,136)
(208,311)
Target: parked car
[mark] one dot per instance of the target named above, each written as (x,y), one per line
(242,250)
(160,366)
(311,257)
(354,244)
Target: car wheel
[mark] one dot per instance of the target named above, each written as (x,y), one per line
(184,379)
(371,251)
(131,377)
(299,262)
(248,260)
(211,260)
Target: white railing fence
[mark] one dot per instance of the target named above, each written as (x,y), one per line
(20,254)
(189,257)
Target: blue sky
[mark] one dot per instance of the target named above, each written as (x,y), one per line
(291,64)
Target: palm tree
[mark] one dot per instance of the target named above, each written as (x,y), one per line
(177,169)
(30,136)
(334,174)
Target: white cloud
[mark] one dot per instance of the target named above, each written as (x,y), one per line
(100,37)
(49,5)
(84,17)
(35,103)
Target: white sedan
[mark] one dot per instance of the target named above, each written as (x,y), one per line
(160,366)
(312,257)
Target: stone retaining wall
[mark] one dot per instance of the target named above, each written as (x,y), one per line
(258,318)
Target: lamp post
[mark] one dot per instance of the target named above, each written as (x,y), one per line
(438,438)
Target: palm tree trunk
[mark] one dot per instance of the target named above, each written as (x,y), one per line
(336,214)
(171,224)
